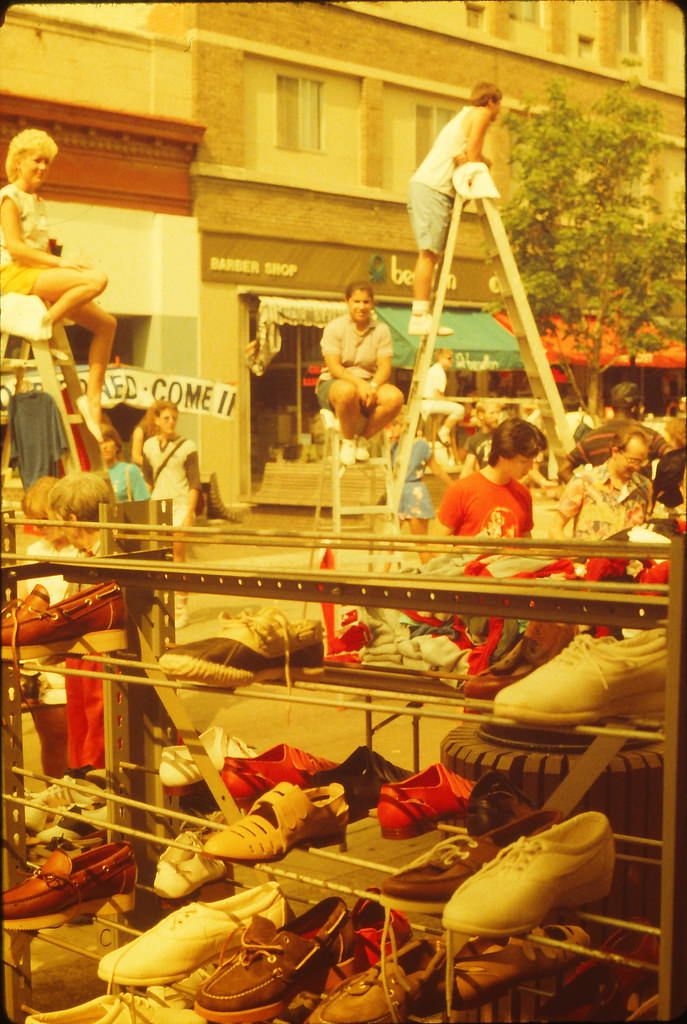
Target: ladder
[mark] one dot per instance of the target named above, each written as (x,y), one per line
(37,355)
(500,257)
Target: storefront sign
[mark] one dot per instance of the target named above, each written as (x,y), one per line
(140,388)
(310,266)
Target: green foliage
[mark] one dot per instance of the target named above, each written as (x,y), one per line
(588,237)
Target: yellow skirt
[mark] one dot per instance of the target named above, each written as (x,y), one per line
(18,279)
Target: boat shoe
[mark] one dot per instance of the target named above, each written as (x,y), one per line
(92,621)
(100,881)
(411,982)
(279,819)
(312,953)
(266,646)
(428,882)
(415,805)
(247,777)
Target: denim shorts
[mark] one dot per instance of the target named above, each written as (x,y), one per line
(430,216)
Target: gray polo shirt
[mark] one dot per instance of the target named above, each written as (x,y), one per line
(357,353)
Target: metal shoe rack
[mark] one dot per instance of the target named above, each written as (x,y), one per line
(137,728)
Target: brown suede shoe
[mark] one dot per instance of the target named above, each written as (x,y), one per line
(540,642)
(312,953)
(428,883)
(92,621)
(99,881)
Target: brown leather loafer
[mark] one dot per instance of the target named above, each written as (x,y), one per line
(100,881)
(313,952)
(92,621)
(428,883)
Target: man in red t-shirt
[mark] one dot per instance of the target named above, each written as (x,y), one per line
(492,501)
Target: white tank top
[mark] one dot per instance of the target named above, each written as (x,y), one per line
(436,170)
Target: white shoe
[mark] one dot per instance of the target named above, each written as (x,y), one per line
(444,435)
(178,769)
(191,937)
(25,316)
(421,324)
(74,829)
(347,451)
(89,422)
(568,865)
(126,1008)
(592,678)
(181,872)
(362,450)
(46,804)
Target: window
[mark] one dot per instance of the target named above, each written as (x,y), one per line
(629,25)
(428,123)
(585,46)
(299,113)
(475,15)
(525,10)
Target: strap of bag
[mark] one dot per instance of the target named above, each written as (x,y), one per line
(166,459)
(128,483)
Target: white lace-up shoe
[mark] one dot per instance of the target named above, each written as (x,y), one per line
(126,1008)
(347,451)
(178,769)
(420,324)
(568,865)
(181,872)
(190,937)
(53,799)
(592,678)
(362,450)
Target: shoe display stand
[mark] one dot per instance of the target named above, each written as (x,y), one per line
(145,713)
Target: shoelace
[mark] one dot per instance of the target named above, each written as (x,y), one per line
(263,628)
(445,853)
(518,854)
(389,936)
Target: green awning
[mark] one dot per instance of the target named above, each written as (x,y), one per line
(480,342)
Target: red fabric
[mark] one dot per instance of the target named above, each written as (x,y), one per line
(479,657)
(658,573)
(560,567)
(475,505)
(600,568)
(85,723)
(328,611)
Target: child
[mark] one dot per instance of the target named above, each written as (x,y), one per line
(434,401)
(431,192)
(126,478)
(28,267)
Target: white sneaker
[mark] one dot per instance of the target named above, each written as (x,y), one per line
(191,937)
(125,1008)
(179,770)
(73,829)
(421,324)
(181,872)
(90,424)
(46,804)
(592,678)
(347,451)
(362,450)
(568,865)
(444,435)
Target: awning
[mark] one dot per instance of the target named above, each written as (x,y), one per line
(479,341)
(275,311)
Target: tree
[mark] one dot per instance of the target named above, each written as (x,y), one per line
(590,241)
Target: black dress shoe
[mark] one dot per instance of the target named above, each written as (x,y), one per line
(495,801)
(362,775)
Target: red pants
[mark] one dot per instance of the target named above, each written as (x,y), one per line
(85,726)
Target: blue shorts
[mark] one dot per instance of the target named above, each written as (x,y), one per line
(430,216)
(322,391)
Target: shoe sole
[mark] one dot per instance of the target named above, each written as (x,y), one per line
(227,676)
(419,828)
(409,905)
(100,642)
(117,904)
(620,708)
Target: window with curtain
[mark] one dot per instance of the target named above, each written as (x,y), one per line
(299,113)
(428,123)
(629,25)
(525,10)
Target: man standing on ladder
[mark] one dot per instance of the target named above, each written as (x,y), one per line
(432,193)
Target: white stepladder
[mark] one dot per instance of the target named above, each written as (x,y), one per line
(473,183)
(52,359)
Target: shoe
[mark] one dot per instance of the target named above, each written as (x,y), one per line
(181,872)
(74,830)
(87,417)
(413,982)
(178,770)
(540,642)
(593,678)
(567,866)
(191,937)
(125,1008)
(93,620)
(100,881)
(495,801)
(368,924)
(266,646)
(413,806)
(362,450)
(347,451)
(426,884)
(505,965)
(279,819)
(420,324)
(51,800)
(25,316)
(362,775)
(311,953)
(601,990)
(247,777)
